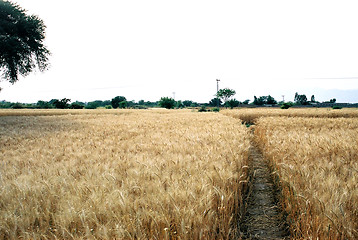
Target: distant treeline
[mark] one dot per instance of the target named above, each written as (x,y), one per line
(167,102)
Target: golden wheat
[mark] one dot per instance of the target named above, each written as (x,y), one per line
(316,161)
(144,174)
(250,115)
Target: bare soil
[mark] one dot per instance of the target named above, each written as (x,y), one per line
(264,218)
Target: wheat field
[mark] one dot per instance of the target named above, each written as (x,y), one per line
(172,174)
(314,156)
(316,162)
(124,174)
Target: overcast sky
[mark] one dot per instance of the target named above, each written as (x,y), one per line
(145,49)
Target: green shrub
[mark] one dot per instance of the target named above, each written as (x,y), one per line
(286,105)
(216,109)
(202,109)
(336,107)
(167,102)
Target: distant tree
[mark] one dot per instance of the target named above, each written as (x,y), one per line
(313,99)
(194,104)
(115,101)
(43,105)
(260,101)
(287,105)
(92,105)
(17,105)
(333,100)
(141,102)
(270,100)
(21,42)
(300,99)
(179,104)
(62,104)
(76,105)
(225,94)
(246,101)
(187,103)
(215,102)
(167,102)
(232,103)
(123,104)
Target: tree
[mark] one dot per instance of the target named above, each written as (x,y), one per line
(313,99)
(115,101)
(43,104)
(187,103)
(76,105)
(333,100)
(215,102)
(21,42)
(232,103)
(225,94)
(270,100)
(246,101)
(62,104)
(301,99)
(259,101)
(167,102)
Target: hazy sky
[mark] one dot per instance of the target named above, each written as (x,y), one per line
(145,49)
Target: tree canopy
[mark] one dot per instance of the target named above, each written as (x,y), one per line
(167,102)
(225,94)
(21,42)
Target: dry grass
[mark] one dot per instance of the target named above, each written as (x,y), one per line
(120,174)
(316,161)
(250,115)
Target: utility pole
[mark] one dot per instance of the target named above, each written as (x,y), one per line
(283,98)
(217,90)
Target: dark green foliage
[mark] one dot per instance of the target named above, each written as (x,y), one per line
(262,100)
(76,105)
(232,103)
(216,109)
(246,101)
(225,94)
(21,42)
(336,107)
(313,99)
(167,102)
(301,99)
(259,101)
(62,104)
(187,103)
(202,109)
(4,104)
(179,104)
(270,100)
(43,105)
(92,105)
(123,104)
(333,100)
(17,106)
(215,102)
(115,101)
(286,105)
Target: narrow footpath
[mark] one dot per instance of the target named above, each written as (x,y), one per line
(263,218)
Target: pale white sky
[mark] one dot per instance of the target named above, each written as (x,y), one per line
(144,49)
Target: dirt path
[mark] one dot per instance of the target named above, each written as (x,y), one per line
(263,219)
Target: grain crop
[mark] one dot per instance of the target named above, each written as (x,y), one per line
(250,115)
(120,174)
(316,165)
